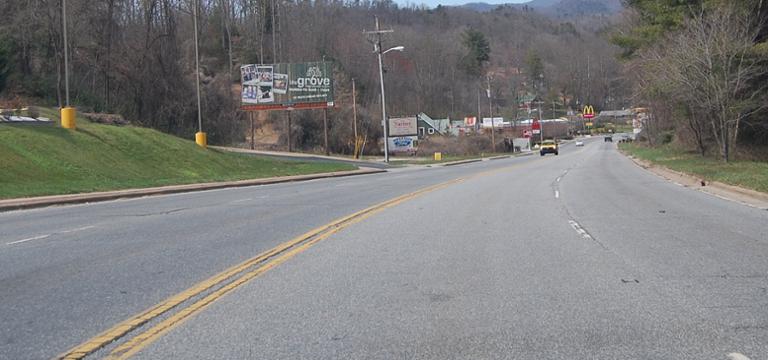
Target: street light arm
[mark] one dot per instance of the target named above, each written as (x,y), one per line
(396,48)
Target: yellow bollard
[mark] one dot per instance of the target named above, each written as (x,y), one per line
(68,115)
(201,139)
(438,156)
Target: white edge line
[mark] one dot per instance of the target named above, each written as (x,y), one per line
(557,194)
(77,229)
(39,237)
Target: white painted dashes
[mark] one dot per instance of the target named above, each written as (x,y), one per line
(580,230)
(737,356)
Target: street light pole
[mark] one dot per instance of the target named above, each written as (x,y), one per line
(68,114)
(200,137)
(383,101)
(66,51)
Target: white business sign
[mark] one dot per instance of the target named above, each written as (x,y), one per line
(404,126)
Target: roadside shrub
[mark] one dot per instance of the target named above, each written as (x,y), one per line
(461,145)
(666,137)
(107,119)
(33,112)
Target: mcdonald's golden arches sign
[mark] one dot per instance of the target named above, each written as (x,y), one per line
(589,112)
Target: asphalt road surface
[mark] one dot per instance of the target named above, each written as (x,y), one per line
(576,256)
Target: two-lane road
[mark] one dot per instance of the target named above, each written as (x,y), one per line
(582,255)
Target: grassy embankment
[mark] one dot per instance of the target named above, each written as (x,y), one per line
(45,160)
(747,174)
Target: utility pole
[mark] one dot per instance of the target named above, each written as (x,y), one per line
(479,119)
(589,82)
(490,113)
(379,52)
(541,124)
(554,115)
(354,118)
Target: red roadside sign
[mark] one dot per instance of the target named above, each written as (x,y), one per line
(535,125)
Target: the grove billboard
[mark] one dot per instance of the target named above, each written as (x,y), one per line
(286,86)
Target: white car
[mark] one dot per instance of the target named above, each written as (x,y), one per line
(579,143)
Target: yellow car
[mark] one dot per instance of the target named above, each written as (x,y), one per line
(548,147)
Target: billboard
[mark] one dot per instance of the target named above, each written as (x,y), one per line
(286,86)
(403,144)
(403,126)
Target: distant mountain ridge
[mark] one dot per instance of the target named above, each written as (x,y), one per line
(560,8)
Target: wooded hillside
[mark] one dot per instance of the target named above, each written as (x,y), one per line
(136,58)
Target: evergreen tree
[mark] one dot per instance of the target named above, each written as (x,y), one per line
(478,52)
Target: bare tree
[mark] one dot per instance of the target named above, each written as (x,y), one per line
(711,67)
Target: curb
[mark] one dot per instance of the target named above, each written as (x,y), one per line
(725,191)
(295,155)
(43,201)
(461,162)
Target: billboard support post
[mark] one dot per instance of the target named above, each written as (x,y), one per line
(289,130)
(253,132)
(325,131)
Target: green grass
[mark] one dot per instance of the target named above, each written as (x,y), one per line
(748,174)
(38,160)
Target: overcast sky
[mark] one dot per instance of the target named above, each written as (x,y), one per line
(433,3)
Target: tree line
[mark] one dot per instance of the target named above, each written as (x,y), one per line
(136,58)
(701,68)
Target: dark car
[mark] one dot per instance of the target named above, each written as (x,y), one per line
(608,139)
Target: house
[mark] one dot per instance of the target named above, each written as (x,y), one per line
(620,116)
(428,126)
(527,101)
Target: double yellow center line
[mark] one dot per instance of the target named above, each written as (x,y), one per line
(223,283)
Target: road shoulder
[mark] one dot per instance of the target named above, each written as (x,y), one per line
(725,191)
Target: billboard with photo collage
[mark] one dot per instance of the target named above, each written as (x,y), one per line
(286,86)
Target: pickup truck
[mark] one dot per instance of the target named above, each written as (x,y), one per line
(549,147)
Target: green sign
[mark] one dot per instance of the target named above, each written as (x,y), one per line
(286,86)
